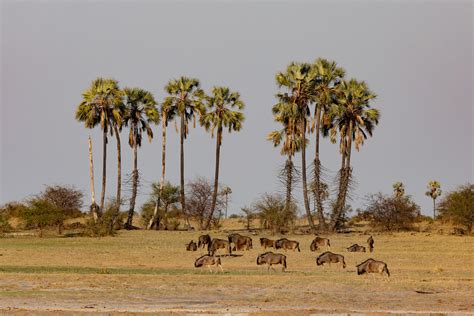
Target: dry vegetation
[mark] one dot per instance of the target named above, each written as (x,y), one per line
(150,271)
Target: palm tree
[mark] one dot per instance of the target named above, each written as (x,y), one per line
(167,115)
(398,189)
(221,115)
(298,84)
(226,191)
(186,99)
(101,104)
(140,112)
(434,191)
(353,119)
(329,75)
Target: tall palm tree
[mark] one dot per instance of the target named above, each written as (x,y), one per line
(220,115)
(298,92)
(167,115)
(186,98)
(434,191)
(327,80)
(101,104)
(353,119)
(398,189)
(140,112)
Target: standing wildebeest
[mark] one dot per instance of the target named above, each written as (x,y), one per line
(265,242)
(191,246)
(204,240)
(373,266)
(329,257)
(356,248)
(218,244)
(240,242)
(271,258)
(208,261)
(287,244)
(319,242)
(370,242)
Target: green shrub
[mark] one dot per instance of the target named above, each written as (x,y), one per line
(458,206)
(40,214)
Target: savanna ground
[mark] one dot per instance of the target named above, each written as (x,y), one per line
(140,272)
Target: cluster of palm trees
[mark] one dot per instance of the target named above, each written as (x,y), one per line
(341,110)
(106,105)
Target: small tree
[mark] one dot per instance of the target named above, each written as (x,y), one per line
(199,201)
(398,189)
(458,206)
(41,213)
(249,216)
(434,191)
(273,212)
(168,201)
(391,213)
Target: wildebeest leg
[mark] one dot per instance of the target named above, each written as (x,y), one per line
(220,266)
(273,268)
(268,267)
(209,268)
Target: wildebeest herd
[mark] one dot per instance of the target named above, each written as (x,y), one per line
(237,242)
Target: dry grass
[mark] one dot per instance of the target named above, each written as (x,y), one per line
(146,271)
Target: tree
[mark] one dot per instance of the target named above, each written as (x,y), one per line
(220,115)
(273,213)
(398,189)
(199,192)
(226,191)
(186,99)
(249,216)
(297,83)
(434,191)
(140,112)
(326,86)
(41,213)
(354,119)
(392,212)
(458,206)
(169,196)
(101,104)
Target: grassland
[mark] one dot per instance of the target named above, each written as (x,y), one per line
(150,271)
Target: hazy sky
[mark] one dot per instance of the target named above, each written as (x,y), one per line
(416,55)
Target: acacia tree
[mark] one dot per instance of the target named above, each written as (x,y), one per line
(220,115)
(458,206)
(297,83)
(186,99)
(140,112)
(434,191)
(101,105)
(353,119)
(326,84)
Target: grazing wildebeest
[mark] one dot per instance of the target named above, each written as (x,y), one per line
(218,244)
(271,258)
(265,242)
(329,257)
(356,248)
(240,242)
(204,240)
(287,244)
(191,246)
(208,261)
(372,266)
(319,242)
(370,242)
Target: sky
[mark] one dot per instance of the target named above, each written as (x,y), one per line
(415,55)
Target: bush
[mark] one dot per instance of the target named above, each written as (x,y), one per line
(458,206)
(273,214)
(234,216)
(40,214)
(391,212)
(4,225)
(168,202)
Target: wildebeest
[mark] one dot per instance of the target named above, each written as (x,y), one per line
(240,242)
(265,242)
(287,244)
(372,266)
(218,244)
(329,257)
(204,240)
(370,242)
(208,261)
(319,242)
(271,258)
(191,246)
(356,248)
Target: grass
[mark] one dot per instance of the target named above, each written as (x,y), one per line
(151,271)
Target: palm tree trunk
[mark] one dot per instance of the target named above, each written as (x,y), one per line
(104,173)
(216,177)
(93,207)
(289,181)
(163,169)
(183,199)
(131,211)
(305,185)
(317,175)
(118,198)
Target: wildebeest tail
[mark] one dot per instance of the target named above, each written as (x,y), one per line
(284,262)
(385,269)
(298,246)
(230,249)
(329,244)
